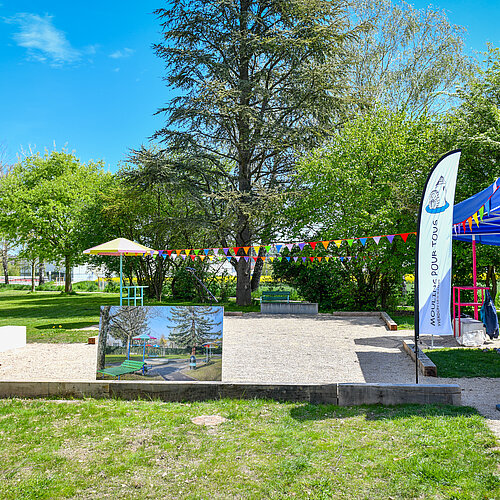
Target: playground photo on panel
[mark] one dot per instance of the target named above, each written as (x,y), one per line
(160,343)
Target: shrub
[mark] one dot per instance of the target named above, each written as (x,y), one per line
(50,286)
(86,286)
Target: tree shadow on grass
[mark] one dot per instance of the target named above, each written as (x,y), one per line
(75,325)
(309,412)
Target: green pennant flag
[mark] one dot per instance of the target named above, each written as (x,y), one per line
(268,248)
(196,251)
(481,212)
(350,242)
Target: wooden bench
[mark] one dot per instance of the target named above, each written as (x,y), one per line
(281,296)
(128,366)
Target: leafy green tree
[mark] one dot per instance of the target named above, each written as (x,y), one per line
(406,59)
(148,203)
(474,126)
(126,322)
(256,81)
(43,200)
(367,181)
(5,244)
(193,325)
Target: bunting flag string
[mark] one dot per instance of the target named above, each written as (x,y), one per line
(318,258)
(230,252)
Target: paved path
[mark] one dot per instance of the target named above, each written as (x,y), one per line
(171,370)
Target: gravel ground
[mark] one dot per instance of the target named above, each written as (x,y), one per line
(279,349)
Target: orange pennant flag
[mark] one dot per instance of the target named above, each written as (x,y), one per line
(262,257)
(202,257)
(245,249)
(469,220)
(319,259)
(178,252)
(325,244)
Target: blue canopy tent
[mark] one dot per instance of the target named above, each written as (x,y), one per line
(477,220)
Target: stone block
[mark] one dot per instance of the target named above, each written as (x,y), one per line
(288,308)
(396,394)
(12,337)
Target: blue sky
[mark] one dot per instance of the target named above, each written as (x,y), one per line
(83,74)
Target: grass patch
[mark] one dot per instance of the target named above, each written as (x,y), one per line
(404,321)
(138,449)
(210,371)
(460,362)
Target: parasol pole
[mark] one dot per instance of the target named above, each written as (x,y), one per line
(121,271)
(474,274)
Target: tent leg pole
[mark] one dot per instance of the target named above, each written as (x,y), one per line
(474,275)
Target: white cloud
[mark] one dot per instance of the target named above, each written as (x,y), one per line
(120,54)
(43,41)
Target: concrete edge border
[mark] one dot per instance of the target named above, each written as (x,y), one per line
(390,323)
(337,394)
(425,366)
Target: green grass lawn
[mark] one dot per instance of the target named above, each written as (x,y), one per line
(461,362)
(210,371)
(118,449)
(55,317)
(404,322)
(52,317)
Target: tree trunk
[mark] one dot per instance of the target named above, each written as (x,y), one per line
(103,337)
(257,270)
(67,277)
(5,262)
(243,288)
(33,265)
(41,272)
